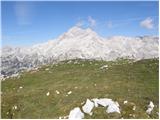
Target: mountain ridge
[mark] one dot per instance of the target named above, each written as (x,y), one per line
(78,43)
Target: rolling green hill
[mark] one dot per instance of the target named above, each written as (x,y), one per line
(137,82)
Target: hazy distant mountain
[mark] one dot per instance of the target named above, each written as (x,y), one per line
(78,43)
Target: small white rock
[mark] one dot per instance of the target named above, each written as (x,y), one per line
(151,104)
(82,103)
(125,102)
(20,87)
(47,93)
(57,92)
(47,69)
(69,92)
(150,107)
(76,87)
(104,66)
(15,107)
(134,107)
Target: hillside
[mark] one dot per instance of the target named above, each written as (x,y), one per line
(53,90)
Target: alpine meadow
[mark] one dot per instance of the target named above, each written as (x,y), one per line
(80,60)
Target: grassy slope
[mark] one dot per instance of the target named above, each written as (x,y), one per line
(136,82)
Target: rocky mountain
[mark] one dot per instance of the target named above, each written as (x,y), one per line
(77,43)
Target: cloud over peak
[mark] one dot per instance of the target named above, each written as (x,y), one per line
(80,23)
(92,22)
(147,23)
(87,22)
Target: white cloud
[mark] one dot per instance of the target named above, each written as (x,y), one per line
(92,22)
(86,22)
(147,23)
(23,12)
(80,23)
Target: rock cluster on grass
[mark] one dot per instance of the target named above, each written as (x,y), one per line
(111,107)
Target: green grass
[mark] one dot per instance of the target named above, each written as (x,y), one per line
(136,82)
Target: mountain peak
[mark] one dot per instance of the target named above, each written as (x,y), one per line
(78,30)
(75,29)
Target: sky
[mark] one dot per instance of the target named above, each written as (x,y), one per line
(32,22)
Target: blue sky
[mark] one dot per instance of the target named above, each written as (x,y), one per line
(28,23)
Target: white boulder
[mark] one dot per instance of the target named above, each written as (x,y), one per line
(150,107)
(87,108)
(76,114)
(113,108)
(104,102)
